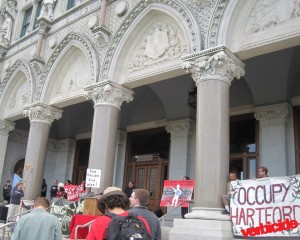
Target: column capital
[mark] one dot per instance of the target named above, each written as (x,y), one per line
(44,25)
(274,114)
(6,127)
(180,128)
(108,93)
(40,112)
(217,63)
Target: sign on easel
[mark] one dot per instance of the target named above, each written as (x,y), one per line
(93,177)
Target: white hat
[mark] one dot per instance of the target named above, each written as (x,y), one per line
(61,185)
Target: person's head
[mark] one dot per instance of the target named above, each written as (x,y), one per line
(8,182)
(139,197)
(55,182)
(60,185)
(44,181)
(61,189)
(112,198)
(19,185)
(130,184)
(186,178)
(41,202)
(262,172)
(67,182)
(88,190)
(232,176)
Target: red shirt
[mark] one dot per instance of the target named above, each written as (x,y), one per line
(99,226)
(79,219)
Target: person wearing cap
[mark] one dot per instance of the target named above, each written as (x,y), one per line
(113,200)
(61,191)
(138,201)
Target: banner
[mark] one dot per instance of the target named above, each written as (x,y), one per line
(177,191)
(74,191)
(266,207)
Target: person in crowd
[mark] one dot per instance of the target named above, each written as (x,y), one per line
(113,200)
(53,189)
(129,188)
(184,210)
(61,191)
(17,194)
(68,182)
(226,197)
(38,224)
(138,201)
(88,193)
(6,191)
(44,188)
(262,172)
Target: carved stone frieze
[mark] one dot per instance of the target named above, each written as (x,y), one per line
(108,93)
(39,112)
(131,16)
(26,69)
(61,145)
(19,136)
(270,115)
(160,43)
(71,37)
(6,127)
(215,63)
(266,14)
(181,128)
(3,51)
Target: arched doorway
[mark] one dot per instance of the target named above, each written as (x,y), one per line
(19,168)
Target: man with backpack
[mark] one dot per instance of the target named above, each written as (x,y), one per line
(116,223)
(138,201)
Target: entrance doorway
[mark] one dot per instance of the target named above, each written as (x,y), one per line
(147,162)
(81,160)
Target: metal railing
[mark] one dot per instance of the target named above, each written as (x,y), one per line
(162,218)
(82,226)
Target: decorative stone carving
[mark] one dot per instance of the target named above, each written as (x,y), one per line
(44,25)
(181,128)
(6,127)
(39,112)
(121,137)
(269,13)
(20,98)
(61,145)
(6,30)
(47,9)
(215,63)
(277,114)
(10,7)
(3,51)
(176,5)
(108,93)
(19,136)
(37,64)
(121,8)
(159,44)
(102,35)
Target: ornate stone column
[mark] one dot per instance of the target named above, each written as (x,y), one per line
(108,97)
(5,128)
(180,132)
(212,70)
(41,117)
(276,138)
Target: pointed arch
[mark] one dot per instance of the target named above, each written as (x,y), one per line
(73,46)
(173,14)
(16,90)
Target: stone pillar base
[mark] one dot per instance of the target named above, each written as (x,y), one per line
(202,223)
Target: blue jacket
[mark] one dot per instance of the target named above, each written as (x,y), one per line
(16,195)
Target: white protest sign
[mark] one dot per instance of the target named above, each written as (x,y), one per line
(267,207)
(93,177)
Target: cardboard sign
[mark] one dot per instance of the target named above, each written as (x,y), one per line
(258,206)
(93,177)
(177,191)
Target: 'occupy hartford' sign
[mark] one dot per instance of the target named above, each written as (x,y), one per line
(258,207)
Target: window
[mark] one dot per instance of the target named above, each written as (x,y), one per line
(37,14)
(71,4)
(26,22)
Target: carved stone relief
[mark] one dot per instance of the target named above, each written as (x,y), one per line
(269,13)
(160,43)
(20,98)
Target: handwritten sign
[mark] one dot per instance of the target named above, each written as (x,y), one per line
(93,177)
(177,191)
(265,201)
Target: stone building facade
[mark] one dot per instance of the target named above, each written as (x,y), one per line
(149,90)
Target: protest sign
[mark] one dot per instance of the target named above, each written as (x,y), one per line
(93,177)
(177,191)
(261,206)
(74,191)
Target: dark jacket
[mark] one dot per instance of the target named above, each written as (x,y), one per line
(16,195)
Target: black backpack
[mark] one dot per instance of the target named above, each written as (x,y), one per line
(126,227)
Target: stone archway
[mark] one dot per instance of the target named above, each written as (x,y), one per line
(19,168)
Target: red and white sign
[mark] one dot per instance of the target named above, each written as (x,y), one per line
(177,191)
(258,207)
(74,191)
